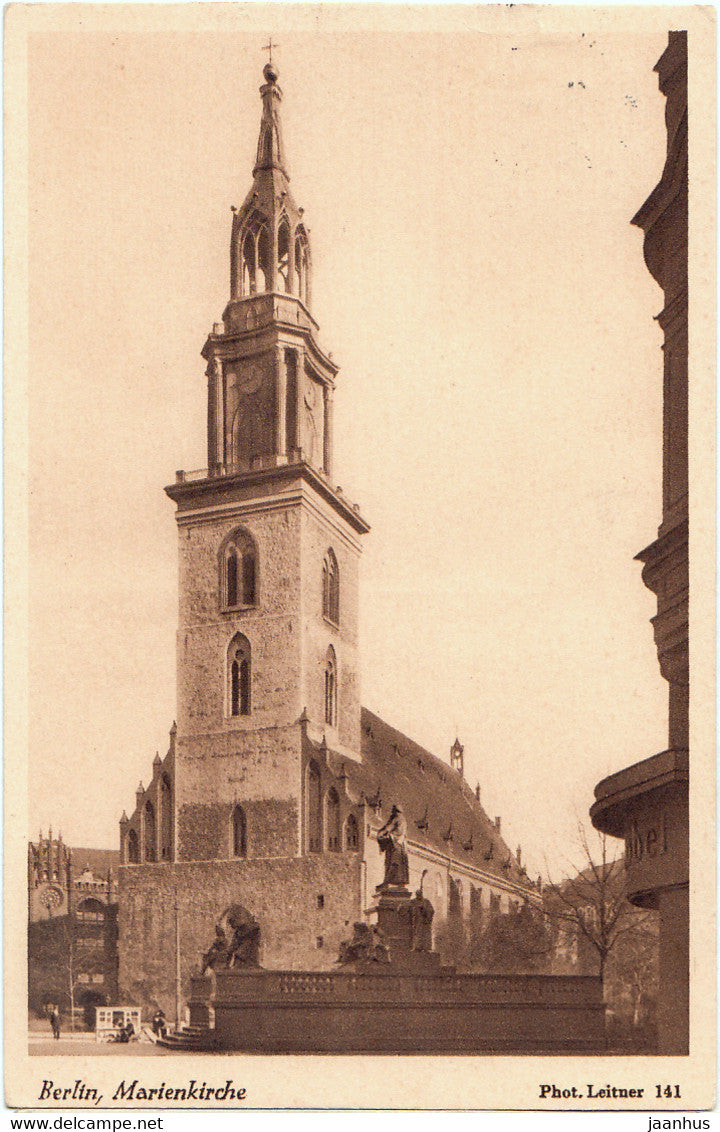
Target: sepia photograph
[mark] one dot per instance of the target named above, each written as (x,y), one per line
(360,415)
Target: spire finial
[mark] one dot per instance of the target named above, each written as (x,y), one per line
(268,47)
(270,72)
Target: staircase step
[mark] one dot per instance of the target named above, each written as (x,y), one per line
(190,1037)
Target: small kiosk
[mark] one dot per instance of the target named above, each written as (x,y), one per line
(110,1020)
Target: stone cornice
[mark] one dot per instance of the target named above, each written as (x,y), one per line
(276,317)
(213,491)
(482,876)
(616,794)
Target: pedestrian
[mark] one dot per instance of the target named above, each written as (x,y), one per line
(55,1022)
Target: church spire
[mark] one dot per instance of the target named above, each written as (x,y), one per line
(270,385)
(270,152)
(269,248)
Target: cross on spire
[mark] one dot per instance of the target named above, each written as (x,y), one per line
(269,48)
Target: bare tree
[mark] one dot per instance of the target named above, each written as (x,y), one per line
(633,969)
(75,961)
(70,957)
(592,900)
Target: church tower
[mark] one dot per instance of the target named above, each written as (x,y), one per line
(275,781)
(267,645)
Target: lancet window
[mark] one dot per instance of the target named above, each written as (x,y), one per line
(352,834)
(239,833)
(239,676)
(313,804)
(165,818)
(331,688)
(284,281)
(238,571)
(331,588)
(256,256)
(253,269)
(150,852)
(332,808)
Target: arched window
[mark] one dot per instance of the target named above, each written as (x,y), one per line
(454,901)
(331,688)
(150,852)
(248,265)
(239,833)
(331,588)
(313,808)
(238,571)
(256,265)
(352,834)
(239,676)
(232,576)
(165,818)
(133,847)
(284,282)
(263,273)
(248,577)
(91,910)
(332,823)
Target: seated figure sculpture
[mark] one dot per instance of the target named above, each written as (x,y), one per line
(366,945)
(217,954)
(241,949)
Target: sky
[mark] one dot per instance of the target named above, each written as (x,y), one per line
(468,179)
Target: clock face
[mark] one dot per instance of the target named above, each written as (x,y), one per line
(51,897)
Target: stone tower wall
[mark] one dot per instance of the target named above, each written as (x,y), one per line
(320,532)
(254,759)
(283,895)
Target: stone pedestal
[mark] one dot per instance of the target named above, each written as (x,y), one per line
(392,908)
(201,993)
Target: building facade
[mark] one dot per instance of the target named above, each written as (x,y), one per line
(276,779)
(647,804)
(72,925)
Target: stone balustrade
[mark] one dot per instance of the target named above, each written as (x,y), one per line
(392,1012)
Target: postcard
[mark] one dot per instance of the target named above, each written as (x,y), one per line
(360,526)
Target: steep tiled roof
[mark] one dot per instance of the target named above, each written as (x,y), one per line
(98,860)
(441,810)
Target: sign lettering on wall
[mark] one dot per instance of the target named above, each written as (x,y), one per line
(643,841)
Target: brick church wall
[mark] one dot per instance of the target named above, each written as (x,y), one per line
(284,895)
(204,830)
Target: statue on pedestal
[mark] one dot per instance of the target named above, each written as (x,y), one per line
(421,918)
(391,841)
